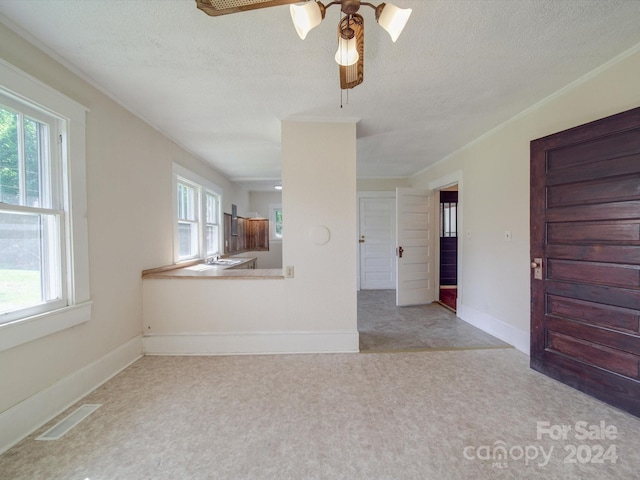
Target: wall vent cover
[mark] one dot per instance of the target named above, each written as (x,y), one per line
(66,424)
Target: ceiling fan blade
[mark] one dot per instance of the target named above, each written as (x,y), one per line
(223,7)
(353,75)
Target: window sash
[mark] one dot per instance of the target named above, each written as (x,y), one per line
(31,276)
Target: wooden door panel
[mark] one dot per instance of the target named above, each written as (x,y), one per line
(614,318)
(614,232)
(594,334)
(618,210)
(594,354)
(594,273)
(606,168)
(609,190)
(585,226)
(619,297)
(604,148)
(596,253)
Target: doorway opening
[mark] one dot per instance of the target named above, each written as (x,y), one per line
(448,258)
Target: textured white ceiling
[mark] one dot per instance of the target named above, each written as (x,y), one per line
(220,85)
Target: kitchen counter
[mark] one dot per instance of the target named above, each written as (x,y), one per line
(199,270)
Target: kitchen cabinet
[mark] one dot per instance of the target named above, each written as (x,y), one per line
(253,235)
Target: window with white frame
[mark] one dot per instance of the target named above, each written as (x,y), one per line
(197,210)
(32,216)
(44,269)
(275,218)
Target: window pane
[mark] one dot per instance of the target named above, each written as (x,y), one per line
(187,239)
(29,264)
(186,202)
(212,211)
(9,158)
(278,222)
(33,161)
(212,239)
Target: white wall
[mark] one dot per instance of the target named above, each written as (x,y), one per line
(319,180)
(494,281)
(130,229)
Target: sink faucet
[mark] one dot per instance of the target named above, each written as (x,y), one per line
(212,260)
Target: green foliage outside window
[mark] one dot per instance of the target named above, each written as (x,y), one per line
(278,222)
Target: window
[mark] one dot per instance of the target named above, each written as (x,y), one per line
(31,213)
(449,216)
(197,216)
(44,264)
(275,218)
(188,221)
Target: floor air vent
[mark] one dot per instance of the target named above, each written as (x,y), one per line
(62,427)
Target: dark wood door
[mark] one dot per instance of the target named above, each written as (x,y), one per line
(585,227)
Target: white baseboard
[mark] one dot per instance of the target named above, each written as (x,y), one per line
(251,343)
(27,416)
(499,329)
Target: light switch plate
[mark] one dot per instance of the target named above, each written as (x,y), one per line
(289,272)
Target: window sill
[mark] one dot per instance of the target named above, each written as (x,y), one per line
(31,328)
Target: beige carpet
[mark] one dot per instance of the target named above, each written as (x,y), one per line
(385,327)
(426,415)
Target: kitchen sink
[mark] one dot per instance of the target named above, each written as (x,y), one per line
(226,261)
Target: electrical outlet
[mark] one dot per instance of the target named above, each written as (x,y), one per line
(289,272)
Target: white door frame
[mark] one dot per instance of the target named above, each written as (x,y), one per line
(367,194)
(454,178)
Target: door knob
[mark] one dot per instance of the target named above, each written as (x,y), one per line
(536,265)
(361,239)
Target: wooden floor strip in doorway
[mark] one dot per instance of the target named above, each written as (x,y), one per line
(449,297)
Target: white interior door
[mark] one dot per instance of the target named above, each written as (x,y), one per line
(377,219)
(414,237)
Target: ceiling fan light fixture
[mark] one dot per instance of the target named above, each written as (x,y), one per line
(392,19)
(347,53)
(306,16)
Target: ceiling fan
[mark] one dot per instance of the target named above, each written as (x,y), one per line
(309,13)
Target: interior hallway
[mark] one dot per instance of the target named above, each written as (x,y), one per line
(418,415)
(385,327)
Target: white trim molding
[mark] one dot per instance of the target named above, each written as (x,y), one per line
(251,343)
(26,417)
(499,329)
(23,88)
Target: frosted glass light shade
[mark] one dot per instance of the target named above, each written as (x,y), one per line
(347,53)
(305,16)
(393,19)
